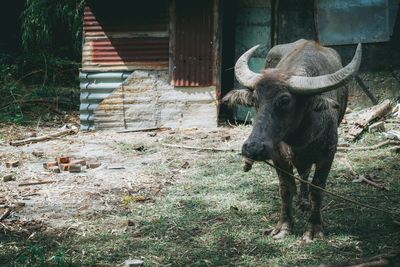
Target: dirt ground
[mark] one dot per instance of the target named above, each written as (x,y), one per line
(129,166)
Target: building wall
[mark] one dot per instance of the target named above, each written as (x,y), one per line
(146,99)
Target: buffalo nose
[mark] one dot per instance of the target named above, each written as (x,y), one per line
(254,150)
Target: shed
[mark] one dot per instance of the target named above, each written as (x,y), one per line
(166,63)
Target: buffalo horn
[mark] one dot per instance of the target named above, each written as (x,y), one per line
(324,83)
(244,75)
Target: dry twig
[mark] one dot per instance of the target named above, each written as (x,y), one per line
(43,137)
(145,130)
(5,214)
(38,182)
(202,148)
(373,147)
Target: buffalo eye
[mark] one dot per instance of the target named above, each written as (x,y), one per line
(283,102)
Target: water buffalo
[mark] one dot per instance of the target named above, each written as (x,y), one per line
(300,100)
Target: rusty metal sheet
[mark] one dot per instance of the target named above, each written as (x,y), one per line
(348,22)
(193,50)
(124,35)
(130,50)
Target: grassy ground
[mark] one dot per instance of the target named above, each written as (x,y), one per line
(217,216)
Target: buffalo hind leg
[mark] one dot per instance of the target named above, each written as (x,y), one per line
(315,229)
(287,189)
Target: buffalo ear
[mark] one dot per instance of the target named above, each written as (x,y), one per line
(239,97)
(320,103)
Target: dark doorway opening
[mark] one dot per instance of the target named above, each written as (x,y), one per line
(229,10)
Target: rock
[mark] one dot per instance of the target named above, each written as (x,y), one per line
(185,165)
(75,168)
(133,263)
(377,127)
(12,164)
(54,169)
(38,154)
(9,178)
(93,165)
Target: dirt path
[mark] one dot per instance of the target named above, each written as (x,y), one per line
(148,168)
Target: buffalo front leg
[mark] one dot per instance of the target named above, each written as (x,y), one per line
(303,198)
(287,189)
(315,228)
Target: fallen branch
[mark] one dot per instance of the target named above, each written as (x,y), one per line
(5,214)
(360,178)
(202,148)
(44,137)
(38,183)
(145,130)
(373,147)
(360,120)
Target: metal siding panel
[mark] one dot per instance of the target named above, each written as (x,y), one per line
(95,87)
(193,53)
(116,39)
(347,22)
(253,26)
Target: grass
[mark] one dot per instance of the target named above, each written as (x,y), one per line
(217,216)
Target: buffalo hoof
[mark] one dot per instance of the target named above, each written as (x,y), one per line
(304,204)
(281,230)
(313,231)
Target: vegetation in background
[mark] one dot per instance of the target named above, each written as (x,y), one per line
(39,79)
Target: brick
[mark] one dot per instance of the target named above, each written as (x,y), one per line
(75,168)
(63,159)
(93,165)
(49,164)
(63,167)
(12,164)
(54,169)
(79,161)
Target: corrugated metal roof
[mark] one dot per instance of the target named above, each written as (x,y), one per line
(117,39)
(193,51)
(94,88)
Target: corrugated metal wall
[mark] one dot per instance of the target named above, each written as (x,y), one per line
(94,88)
(125,35)
(193,50)
(253,26)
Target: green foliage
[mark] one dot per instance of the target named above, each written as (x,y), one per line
(44,22)
(42,79)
